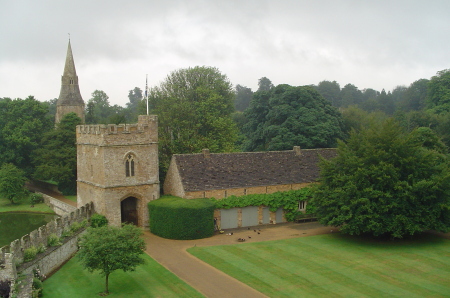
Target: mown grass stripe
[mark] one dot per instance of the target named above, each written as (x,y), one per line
(361,282)
(416,267)
(225,262)
(149,280)
(284,277)
(376,272)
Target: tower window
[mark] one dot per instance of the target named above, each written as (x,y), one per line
(129,166)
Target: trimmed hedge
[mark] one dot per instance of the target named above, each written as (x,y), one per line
(181,219)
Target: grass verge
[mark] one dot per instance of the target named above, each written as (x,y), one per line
(72,198)
(149,280)
(23,206)
(337,265)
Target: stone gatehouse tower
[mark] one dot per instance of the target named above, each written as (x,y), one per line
(118,169)
(70,99)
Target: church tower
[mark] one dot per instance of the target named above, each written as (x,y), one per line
(70,99)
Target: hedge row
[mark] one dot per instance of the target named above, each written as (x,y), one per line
(177,218)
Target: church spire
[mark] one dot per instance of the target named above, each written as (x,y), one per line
(70,99)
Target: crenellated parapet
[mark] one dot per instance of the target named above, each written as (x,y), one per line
(39,237)
(144,132)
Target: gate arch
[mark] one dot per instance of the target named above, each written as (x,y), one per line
(129,210)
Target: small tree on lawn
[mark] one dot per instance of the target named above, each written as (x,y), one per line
(386,182)
(107,249)
(12,181)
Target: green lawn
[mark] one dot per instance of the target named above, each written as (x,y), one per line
(149,280)
(336,265)
(23,206)
(72,198)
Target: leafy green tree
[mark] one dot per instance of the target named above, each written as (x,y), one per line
(98,108)
(107,249)
(415,97)
(134,98)
(194,107)
(22,124)
(330,91)
(350,95)
(369,100)
(288,116)
(355,118)
(243,97)
(386,182)
(386,102)
(264,84)
(439,92)
(51,106)
(12,182)
(56,159)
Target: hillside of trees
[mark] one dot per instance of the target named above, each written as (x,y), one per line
(199,108)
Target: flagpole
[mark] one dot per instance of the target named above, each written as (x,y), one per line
(146,88)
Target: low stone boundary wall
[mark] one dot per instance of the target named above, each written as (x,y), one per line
(59,207)
(53,257)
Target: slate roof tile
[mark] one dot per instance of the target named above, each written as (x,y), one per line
(249,169)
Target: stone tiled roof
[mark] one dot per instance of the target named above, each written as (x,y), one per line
(249,169)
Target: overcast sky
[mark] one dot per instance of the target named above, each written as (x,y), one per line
(371,44)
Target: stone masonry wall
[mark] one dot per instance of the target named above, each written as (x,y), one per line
(223,193)
(59,207)
(14,253)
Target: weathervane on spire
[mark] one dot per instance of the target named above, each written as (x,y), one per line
(69,36)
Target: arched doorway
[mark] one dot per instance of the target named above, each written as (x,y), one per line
(128,211)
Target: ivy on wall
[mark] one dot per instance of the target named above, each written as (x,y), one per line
(288,200)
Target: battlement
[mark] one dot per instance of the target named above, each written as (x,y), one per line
(145,122)
(145,131)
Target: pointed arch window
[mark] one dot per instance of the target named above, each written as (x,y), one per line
(129,166)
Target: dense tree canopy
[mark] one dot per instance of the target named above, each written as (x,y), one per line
(22,124)
(386,182)
(439,92)
(56,159)
(134,99)
(243,97)
(264,84)
(194,107)
(12,181)
(289,116)
(330,91)
(107,249)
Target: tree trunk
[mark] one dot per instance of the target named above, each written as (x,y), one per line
(106,284)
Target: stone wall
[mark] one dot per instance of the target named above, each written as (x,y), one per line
(223,193)
(102,155)
(59,207)
(13,254)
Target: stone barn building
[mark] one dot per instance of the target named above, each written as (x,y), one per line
(118,169)
(220,175)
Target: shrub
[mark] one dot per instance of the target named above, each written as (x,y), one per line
(75,226)
(5,288)
(177,218)
(98,220)
(30,253)
(36,198)
(41,248)
(53,240)
(67,232)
